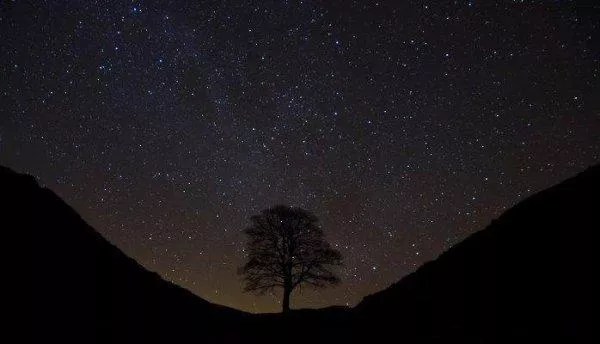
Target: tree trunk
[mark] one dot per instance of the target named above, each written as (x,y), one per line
(286,299)
(287,287)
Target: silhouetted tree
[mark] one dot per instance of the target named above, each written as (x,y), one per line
(286,249)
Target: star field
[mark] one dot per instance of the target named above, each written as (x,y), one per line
(404,126)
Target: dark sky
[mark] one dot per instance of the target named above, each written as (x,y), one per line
(405,126)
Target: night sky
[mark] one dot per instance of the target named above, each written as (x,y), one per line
(404,126)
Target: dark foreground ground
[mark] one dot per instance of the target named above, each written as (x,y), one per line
(528,276)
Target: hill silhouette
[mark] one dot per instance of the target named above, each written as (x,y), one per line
(528,276)
(81,288)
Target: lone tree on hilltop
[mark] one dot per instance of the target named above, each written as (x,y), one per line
(286,248)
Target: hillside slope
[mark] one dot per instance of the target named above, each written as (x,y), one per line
(531,274)
(80,288)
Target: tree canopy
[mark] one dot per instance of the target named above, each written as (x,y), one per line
(287,249)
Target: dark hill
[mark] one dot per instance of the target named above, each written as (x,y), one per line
(530,275)
(80,288)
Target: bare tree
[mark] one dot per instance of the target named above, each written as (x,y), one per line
(286,249)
